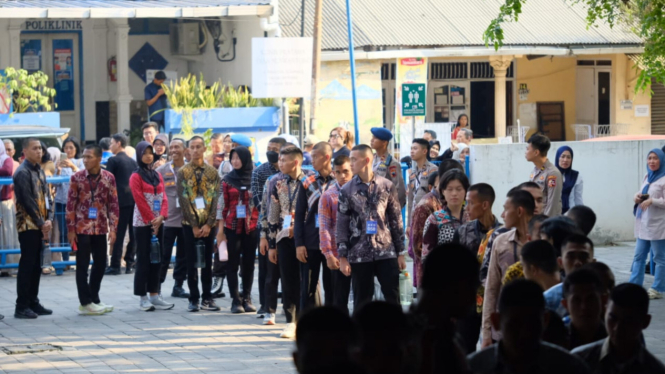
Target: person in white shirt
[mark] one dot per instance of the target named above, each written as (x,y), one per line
(571,194)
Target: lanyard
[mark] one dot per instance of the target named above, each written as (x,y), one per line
(417,181)
(291,196)
(175,177)
(371,202)
(515,251)
(92,190)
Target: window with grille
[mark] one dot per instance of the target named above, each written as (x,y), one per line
(483,70)
(449,70)
(388,72)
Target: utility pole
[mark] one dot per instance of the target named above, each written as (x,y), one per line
(316,64)
(301,101)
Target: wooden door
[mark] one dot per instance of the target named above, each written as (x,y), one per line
(552,120)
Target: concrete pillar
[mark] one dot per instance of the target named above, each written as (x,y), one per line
(14,31)
(123,97)
(500,65)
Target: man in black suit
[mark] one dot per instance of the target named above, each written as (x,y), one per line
(122,167)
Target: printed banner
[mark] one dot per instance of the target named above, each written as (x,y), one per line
(409,71)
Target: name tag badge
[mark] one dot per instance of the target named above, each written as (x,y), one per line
(371,228)
(317,221)
(241,211)
(177,203)
(48,206)
(200,204)
(156,205)
(287,222)
(92,213)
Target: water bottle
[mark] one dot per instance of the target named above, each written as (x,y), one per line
(405,288)
(155,251)
(200,254)
(46,254)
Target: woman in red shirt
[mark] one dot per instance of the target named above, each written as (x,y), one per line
(237,221)
(150,212)
(462,123)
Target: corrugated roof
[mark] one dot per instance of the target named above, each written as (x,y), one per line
(430,23)
(125,3)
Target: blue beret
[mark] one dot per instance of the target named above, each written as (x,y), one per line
(241,139)
(382,133)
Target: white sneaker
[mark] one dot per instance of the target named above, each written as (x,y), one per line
(91,310)
(107,308)
(159,303)
(289,332)
(216,285)
(653,294)
(269,319)
(146,305)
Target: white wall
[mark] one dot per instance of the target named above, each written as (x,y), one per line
(612,174)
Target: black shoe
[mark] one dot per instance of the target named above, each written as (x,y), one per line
(40,310)
(112,271)
(248,306)
(26,313)
(236,308)
(218,295)
(262,310)
(178,291)
(209,305)
(193,307)
(647,269)
(129,270)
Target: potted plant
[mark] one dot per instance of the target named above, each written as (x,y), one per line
(26,99)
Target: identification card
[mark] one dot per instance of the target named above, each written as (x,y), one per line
(317,221)
(287,222)
(371,227)
(156,205)
(92,213)
(241,211)
(177,203)
(200,204)
(48,206)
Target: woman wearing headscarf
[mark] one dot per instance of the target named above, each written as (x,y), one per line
(238,217)
(458,152)
(650,224)
(159,145)
(150,212)
(8,233)
(571,194)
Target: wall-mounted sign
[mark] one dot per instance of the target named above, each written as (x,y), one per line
(413,99)
(627,104)
(53,25)
(641,111)
(523,92)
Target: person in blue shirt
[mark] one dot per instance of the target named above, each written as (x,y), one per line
(105,145)
(156,100)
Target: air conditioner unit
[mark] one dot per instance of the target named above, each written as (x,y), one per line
(185,39)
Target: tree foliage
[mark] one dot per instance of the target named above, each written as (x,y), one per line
(646,18)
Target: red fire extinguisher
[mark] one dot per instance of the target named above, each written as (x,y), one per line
(113,69)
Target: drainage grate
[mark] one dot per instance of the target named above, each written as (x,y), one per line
(30,348)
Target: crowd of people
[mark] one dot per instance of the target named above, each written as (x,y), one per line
(527,290)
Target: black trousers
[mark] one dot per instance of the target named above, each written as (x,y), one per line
(124,222)
(29,268)
(146,277)
(88,245)
(310,294)
(341,285)
(242,251)
(271,287)
(289,269)
(173,235)
(468,329)
(218,267)
(263,270)
(362,281)
(192,271)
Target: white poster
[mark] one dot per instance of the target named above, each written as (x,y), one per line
(641,111)
(282,67)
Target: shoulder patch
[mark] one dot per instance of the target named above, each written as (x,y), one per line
(551,181)
(393,171)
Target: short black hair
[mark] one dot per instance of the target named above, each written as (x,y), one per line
(120,138)
(105,143)
(46,157)
(583,216)
(582,276)
(325,319)
(449,164)
(362,148)
(75,143)
(381,318)
(197,137)
(422,142)
(449,263)
(524,200)
(629,295)
(215,136)
(453,175)
(557,229)
(541,143)
(541,254)
(325,147)
(147,125)
(485,192)
(431,179)
(278,140)
(432,133)
(528,185)
(341,160)
(521,293)
(537,219)
(407,160)
(181,140)
(26,142)
(160,75)
(96,149)
(291,151)
(576,238)
(604,273)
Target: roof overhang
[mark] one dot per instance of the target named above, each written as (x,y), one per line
(129,9)
(480,51)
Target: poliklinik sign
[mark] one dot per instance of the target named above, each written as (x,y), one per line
(53,25)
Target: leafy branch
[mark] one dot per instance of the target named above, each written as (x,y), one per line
(28,92)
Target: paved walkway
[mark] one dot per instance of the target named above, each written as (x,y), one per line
(129,340)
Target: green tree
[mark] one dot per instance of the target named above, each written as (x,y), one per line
(646,18)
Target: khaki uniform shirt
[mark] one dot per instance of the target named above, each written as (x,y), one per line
(549,179)
(390,168)
(418,185)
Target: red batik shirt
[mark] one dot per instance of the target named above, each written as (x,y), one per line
(87,192)
(230,199)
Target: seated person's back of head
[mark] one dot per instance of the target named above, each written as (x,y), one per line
(583,216)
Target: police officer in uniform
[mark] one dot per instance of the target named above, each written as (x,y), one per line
(384,164)
(545,174)
(420,172)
